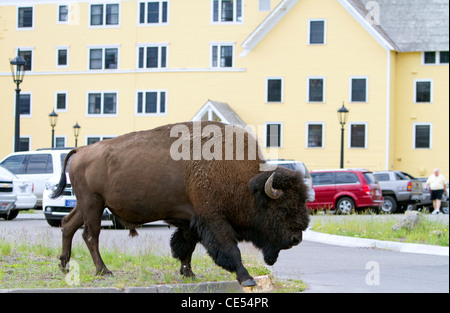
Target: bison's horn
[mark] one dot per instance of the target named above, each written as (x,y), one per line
(272,193)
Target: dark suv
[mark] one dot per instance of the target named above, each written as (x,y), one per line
(345,190)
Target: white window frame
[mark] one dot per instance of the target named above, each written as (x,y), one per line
(350,100)
(281,134)
(152,45)
(17,17)
(322,124)
(234,22)
(56,101)
(324,32)
(60,137)
(309,78)
(103,47)
(58,8)
(266,95)
(104,15)
(160,22)
(414,136)
(366,131)
(430,80)
(219,45)
(102,104)
(58,48)
(158,103)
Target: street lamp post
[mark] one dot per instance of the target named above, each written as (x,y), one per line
(53,117)
(17,71)
(342,116)
(76,132)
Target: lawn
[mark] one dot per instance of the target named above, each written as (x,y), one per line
(380,227)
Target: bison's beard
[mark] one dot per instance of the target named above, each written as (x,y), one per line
(270,255)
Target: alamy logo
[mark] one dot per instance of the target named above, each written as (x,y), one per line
(213,142)
(373,15)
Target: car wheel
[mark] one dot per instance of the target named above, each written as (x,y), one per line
(12,215)
(389,206)
(345,205)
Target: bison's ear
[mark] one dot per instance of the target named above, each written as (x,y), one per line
(263,181)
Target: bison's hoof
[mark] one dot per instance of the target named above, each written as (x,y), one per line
(248,283)
(186,271)
(105,273)
(63,269)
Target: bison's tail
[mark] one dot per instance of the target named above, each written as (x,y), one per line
(62,181)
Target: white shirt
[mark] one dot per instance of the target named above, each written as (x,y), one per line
(436,182)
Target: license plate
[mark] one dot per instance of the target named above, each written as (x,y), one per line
(71,203)
(5,206)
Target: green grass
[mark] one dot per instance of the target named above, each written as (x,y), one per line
(36,266)
(379,227)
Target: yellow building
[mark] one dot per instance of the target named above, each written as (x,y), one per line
(282,66)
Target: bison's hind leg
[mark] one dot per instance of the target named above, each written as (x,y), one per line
(70,224)
(183,244)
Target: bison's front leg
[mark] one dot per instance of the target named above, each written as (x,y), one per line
(220,242)
(183,244)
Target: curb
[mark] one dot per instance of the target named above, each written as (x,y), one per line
(345,241)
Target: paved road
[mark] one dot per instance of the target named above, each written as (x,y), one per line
(325,268)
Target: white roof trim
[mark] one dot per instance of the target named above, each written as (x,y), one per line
(266,26)
(367,26)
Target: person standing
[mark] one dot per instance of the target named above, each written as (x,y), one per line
(436,182)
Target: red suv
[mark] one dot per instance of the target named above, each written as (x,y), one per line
(345,190)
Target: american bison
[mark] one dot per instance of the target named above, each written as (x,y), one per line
(155,175)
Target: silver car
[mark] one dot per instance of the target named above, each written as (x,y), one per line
(297,166)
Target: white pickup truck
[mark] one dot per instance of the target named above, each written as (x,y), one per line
(399,190)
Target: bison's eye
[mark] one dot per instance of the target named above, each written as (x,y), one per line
(282,210)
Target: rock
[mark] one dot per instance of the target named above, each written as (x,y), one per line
(263,284)
(410,220)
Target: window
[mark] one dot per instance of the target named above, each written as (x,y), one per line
(322,179)
(104,14)
(102,103)
(227,11)
(62,57)
(60,142)
(316,32)
(423,91)
(358,135)
(103,58)
(274,136)
(152,102)
(28,57)
(222,55)
(63,13)
(153,12)
(315,135)
(39,164)
(93,139)
(382,177)
(346,178)
(422,136)
(433,57)
(61,102)
(152,56)
(274,90)
(25,18)
(25,105)
(316,89)
(358,89)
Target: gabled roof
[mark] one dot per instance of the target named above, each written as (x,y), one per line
(266,26)
(225,113)
(400,25)
(415,25)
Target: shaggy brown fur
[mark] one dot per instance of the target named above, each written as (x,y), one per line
(217,203)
